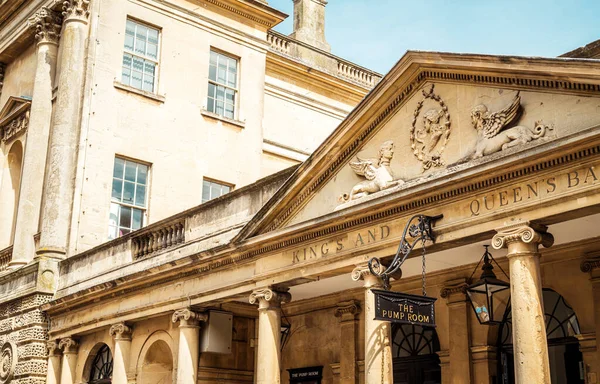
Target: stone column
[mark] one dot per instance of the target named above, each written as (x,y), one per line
(347,312)
(378,334)
(69,347)
(122,335)
(454,292)
(445,366)
(591,355)
(522,239)
(62,156)
(484,364)
(54,357)
(189,344)
(47,24)
(268,367)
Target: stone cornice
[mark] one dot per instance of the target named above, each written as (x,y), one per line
(406,78)
(253,10)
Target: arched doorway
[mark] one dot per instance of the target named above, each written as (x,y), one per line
(102,367)
(157,366)
(563,347)
(414,351)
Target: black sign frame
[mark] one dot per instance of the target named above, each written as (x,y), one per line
(414,309)
(298,375)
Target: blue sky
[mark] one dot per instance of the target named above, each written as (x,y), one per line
(376,33)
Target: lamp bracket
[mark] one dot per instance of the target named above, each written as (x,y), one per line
(419,228)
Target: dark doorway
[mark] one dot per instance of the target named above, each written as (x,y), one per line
(415,359)
(563,347)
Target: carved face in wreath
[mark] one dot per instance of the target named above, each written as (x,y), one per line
(431,120)
(386,152)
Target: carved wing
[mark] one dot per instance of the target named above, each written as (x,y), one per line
(363,167)
(494,123)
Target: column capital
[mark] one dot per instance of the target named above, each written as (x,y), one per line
(120,331)
(68,345)
(47,24)
(76,10)
(53,348)
(347,310)
(522,232)
(269,298)
(187,318)
(454,290)
(362,272)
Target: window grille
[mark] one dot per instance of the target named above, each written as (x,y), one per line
(128,199)
(140,56)
(222,84)
(212,189)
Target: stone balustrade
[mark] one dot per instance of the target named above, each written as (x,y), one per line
(5,257)
(323,60)
(167,235)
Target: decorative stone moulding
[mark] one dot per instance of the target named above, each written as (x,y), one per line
(14,127)
(8,361)
(187,315)
(429,134)
(268,297)
(522,231)
(347,308)
(75,10)
(120,331)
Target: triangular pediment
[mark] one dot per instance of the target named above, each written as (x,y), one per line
(441,112)
(13,107)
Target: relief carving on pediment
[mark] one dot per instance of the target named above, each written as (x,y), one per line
(430,130)
(377,173)
(492,136)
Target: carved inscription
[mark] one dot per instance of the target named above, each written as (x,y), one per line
(331,247)
(535,190)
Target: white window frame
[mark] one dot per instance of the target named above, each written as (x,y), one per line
(142,57)
(235,89)
(219,182)
(144,209)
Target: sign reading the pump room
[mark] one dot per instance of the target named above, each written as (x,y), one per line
(403,308)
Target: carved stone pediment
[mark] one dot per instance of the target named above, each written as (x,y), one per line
(448,116)
(14,118)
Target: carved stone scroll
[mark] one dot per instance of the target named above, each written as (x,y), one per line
(187,316)
(268,297)
(120,331)
(347,309)
(522,231)
(68,345)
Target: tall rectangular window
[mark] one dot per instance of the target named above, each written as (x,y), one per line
(212,189)
(140,56)
(222,84)
(128,202)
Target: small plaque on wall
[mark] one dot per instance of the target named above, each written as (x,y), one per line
(398,307)
(309,375)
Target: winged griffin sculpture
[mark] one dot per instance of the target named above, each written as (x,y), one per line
(491,136)
(377,173)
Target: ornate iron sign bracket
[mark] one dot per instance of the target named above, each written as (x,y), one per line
(419,228)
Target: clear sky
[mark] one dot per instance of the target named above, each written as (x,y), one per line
(376,33)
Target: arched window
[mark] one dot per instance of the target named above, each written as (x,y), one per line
(102,367)
(563,346)
(414,340)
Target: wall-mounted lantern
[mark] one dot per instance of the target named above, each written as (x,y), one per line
(484,292)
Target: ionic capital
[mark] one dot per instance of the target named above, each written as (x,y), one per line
(47,24)
(120,331)
(522,232)
(68,345)
(188,318)
(362,272)
(347,310)
(454,290)
(76,10)
(269,298)
(53,348)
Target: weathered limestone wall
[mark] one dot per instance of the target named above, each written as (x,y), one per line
(19,76)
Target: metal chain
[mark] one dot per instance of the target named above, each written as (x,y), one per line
(382,365)
(423,247)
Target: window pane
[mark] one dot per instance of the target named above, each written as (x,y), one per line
(113,217)
(212,72)
(126,76)
(148,83)
(219,108)
(215,190)
(211,90)
(230,96)
(149,68)
(153,36)
(118,168)
(128,189)
(226,189)
(220,93)
(152,50)
(136,79)
(129,42)
(229,111)
(211,104)
(140,46)
(137,219)
(117,189)
(142,174)
(213,58)
(123,231)
(125,217)
(221,71)
(232,75)
(130,170)
(205,191)
(138,64)
(112,232)
(140,196)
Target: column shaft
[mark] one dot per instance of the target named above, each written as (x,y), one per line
(69,361)
(458,323)
(378,334)
(189,344)
(47,23)
(347,312)
(528,320)
(268,367)
(60,176)
(122,335)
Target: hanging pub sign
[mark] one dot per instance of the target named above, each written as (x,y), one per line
(398,307)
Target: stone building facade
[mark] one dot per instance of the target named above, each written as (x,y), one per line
(270,283)
(116,115)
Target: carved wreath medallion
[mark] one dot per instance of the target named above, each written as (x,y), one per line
(8,362)
(430,131)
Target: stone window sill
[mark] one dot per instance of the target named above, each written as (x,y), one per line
(211,115)
(150,95)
